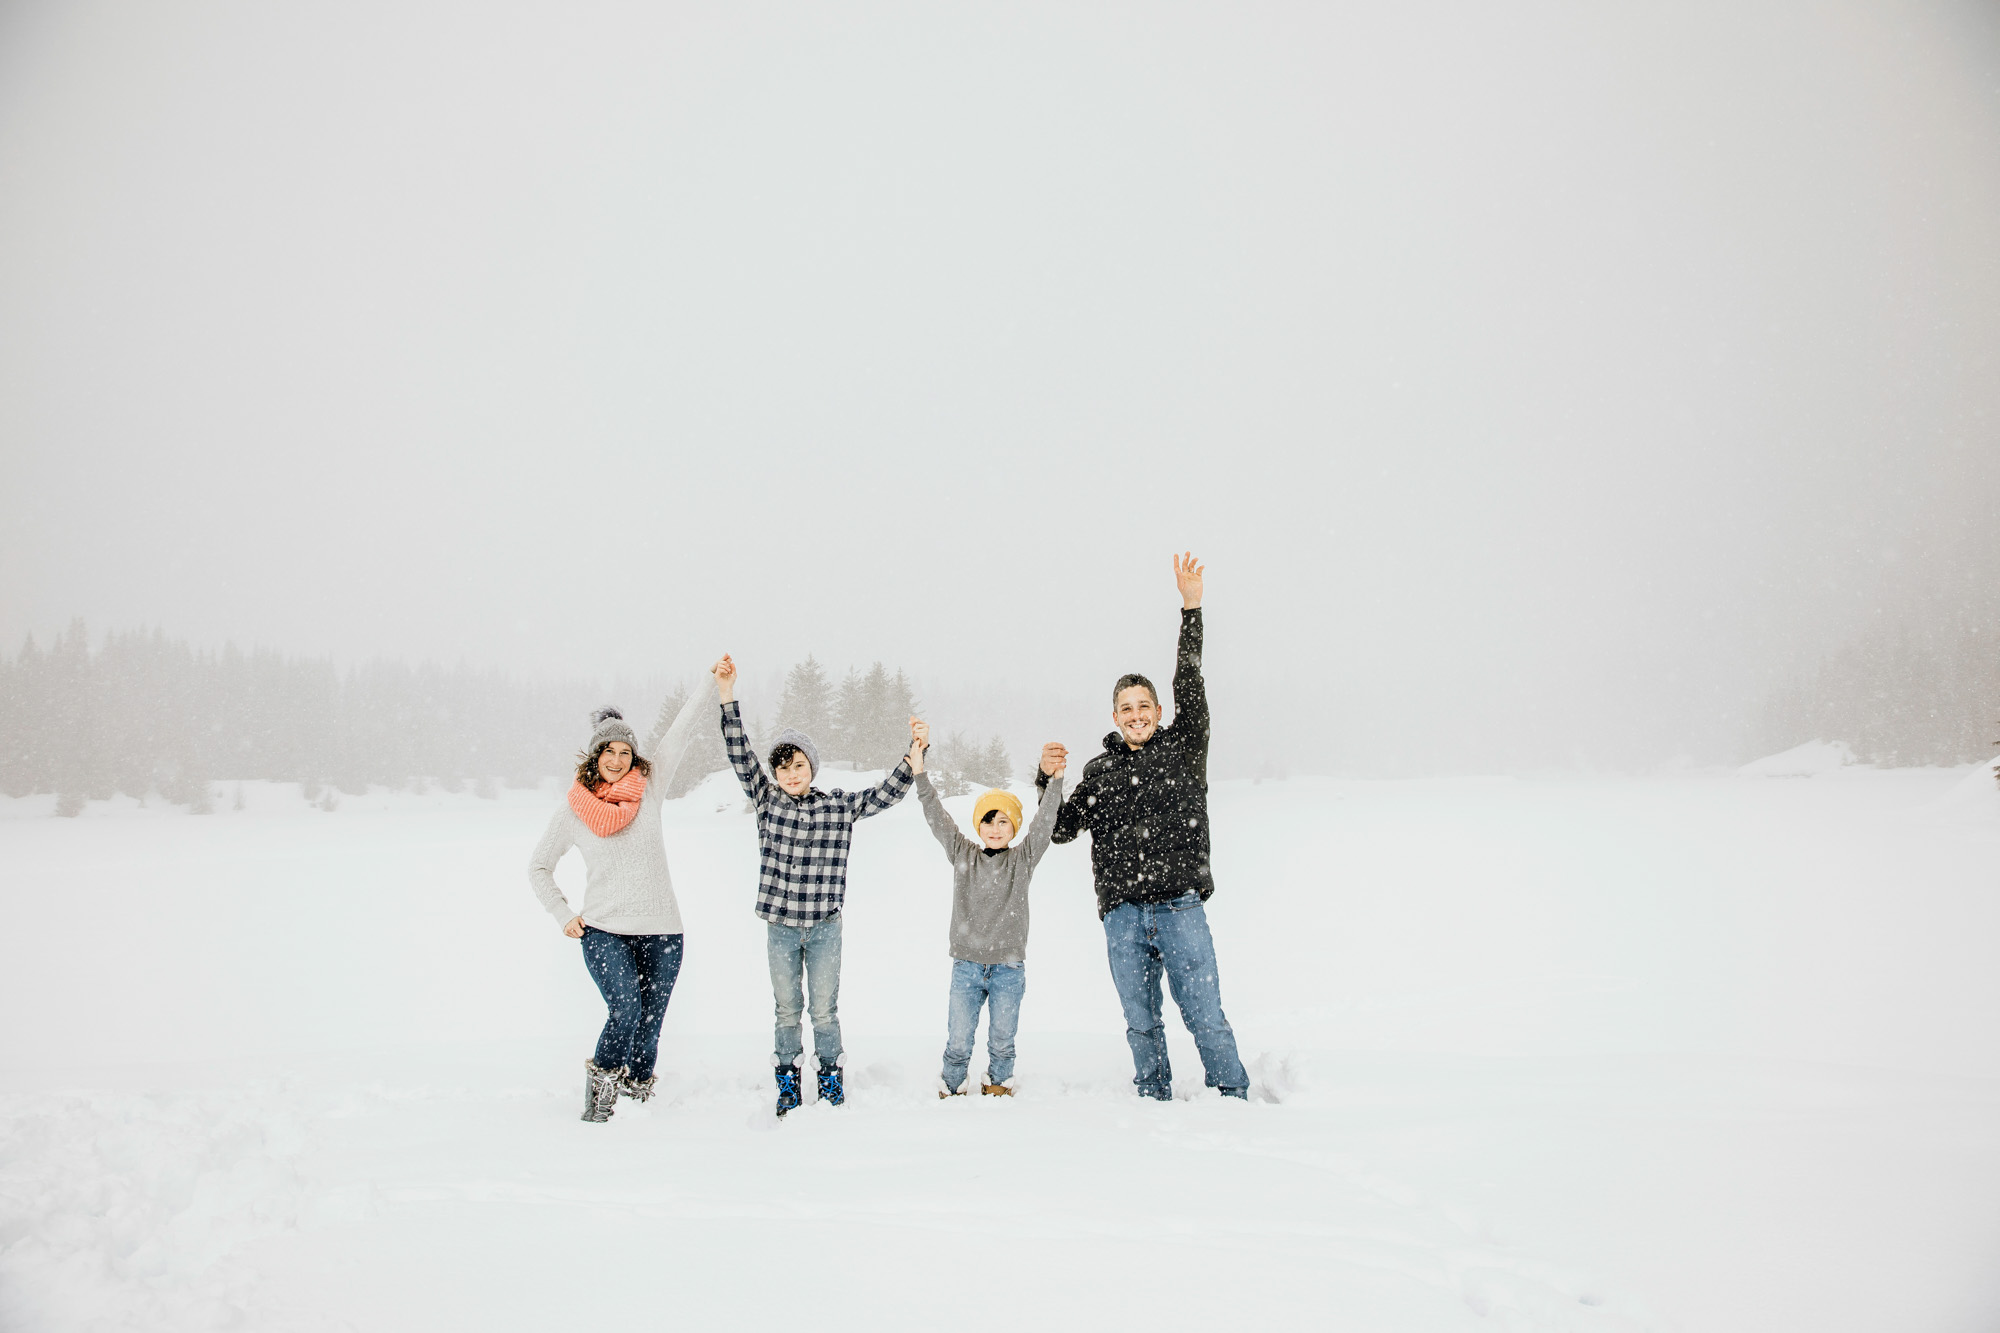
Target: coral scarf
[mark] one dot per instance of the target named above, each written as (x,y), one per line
(612,806)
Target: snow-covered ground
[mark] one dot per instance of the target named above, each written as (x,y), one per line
(1701,1052)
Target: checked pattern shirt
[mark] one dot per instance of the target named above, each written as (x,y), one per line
(802,841)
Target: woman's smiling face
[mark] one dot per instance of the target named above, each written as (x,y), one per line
(614,761)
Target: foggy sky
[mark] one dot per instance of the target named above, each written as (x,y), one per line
(1537,381)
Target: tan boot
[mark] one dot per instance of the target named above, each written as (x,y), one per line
(998,1089)
(944,1092)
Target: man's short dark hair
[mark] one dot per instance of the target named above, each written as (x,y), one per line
(1127,681)
(782,755)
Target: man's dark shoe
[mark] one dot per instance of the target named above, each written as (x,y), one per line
(830,1090)
(1241,1094)
(788,1088)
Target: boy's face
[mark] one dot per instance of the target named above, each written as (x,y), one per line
(1135,713)
(997,830)
(796,775)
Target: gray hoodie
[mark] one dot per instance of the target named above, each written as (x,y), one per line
(989,892)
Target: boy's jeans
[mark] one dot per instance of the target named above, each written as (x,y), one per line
(635,974)
(1000,986)
(1144,940)
(799,954)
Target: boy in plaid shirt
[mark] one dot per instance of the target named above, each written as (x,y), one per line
(803,835)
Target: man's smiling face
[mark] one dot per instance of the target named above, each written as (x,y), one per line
(1136,714)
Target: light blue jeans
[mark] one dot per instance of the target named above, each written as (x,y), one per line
(999,986)
(802,955)
(1145,941)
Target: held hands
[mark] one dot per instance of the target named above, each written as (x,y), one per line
(1055,759)
(575,928)
(920,740)
(724,672)
(1187,575)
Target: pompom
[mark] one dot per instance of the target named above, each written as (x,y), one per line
(605,714)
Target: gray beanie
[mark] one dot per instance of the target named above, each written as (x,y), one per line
(793,736)
(609,725)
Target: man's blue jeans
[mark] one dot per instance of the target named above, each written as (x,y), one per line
(635,974)
(801,956)
(1145,940)
(999,986)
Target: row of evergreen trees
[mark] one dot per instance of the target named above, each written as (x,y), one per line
(1898,697)
(148,714)
(144,714)
(865,721)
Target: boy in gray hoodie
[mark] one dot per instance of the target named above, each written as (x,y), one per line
(989,916)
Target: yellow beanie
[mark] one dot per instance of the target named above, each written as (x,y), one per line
(1006,802)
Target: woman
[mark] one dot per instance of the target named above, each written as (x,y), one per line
(630,924)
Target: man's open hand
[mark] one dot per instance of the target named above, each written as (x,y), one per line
(1187,574)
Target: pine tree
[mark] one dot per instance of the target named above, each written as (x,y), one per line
(850,719)
(75,761)
(999,770)
(807,703)
(946,764)
(884,706)
(20,702)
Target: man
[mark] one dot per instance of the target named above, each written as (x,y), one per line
(1145,802)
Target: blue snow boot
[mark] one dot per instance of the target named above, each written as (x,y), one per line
(788,1088)
(830,1090)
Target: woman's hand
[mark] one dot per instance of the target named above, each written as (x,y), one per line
(575,928)
(920,740)
(724,672)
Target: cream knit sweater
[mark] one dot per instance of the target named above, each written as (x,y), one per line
(627,890)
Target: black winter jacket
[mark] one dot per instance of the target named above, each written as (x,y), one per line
(1147,809)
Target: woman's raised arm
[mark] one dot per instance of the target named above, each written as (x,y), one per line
(673,734)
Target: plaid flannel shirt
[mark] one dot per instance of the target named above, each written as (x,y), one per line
(802,841)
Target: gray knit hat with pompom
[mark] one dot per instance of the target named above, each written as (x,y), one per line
(608,725)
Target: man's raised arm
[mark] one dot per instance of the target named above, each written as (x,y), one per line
(1190,694)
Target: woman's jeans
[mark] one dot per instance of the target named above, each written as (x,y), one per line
(1000,987)
(635,974)
(1145,940)
(801,955)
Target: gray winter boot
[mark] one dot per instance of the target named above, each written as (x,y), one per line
(638,1089)
(600,1091)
